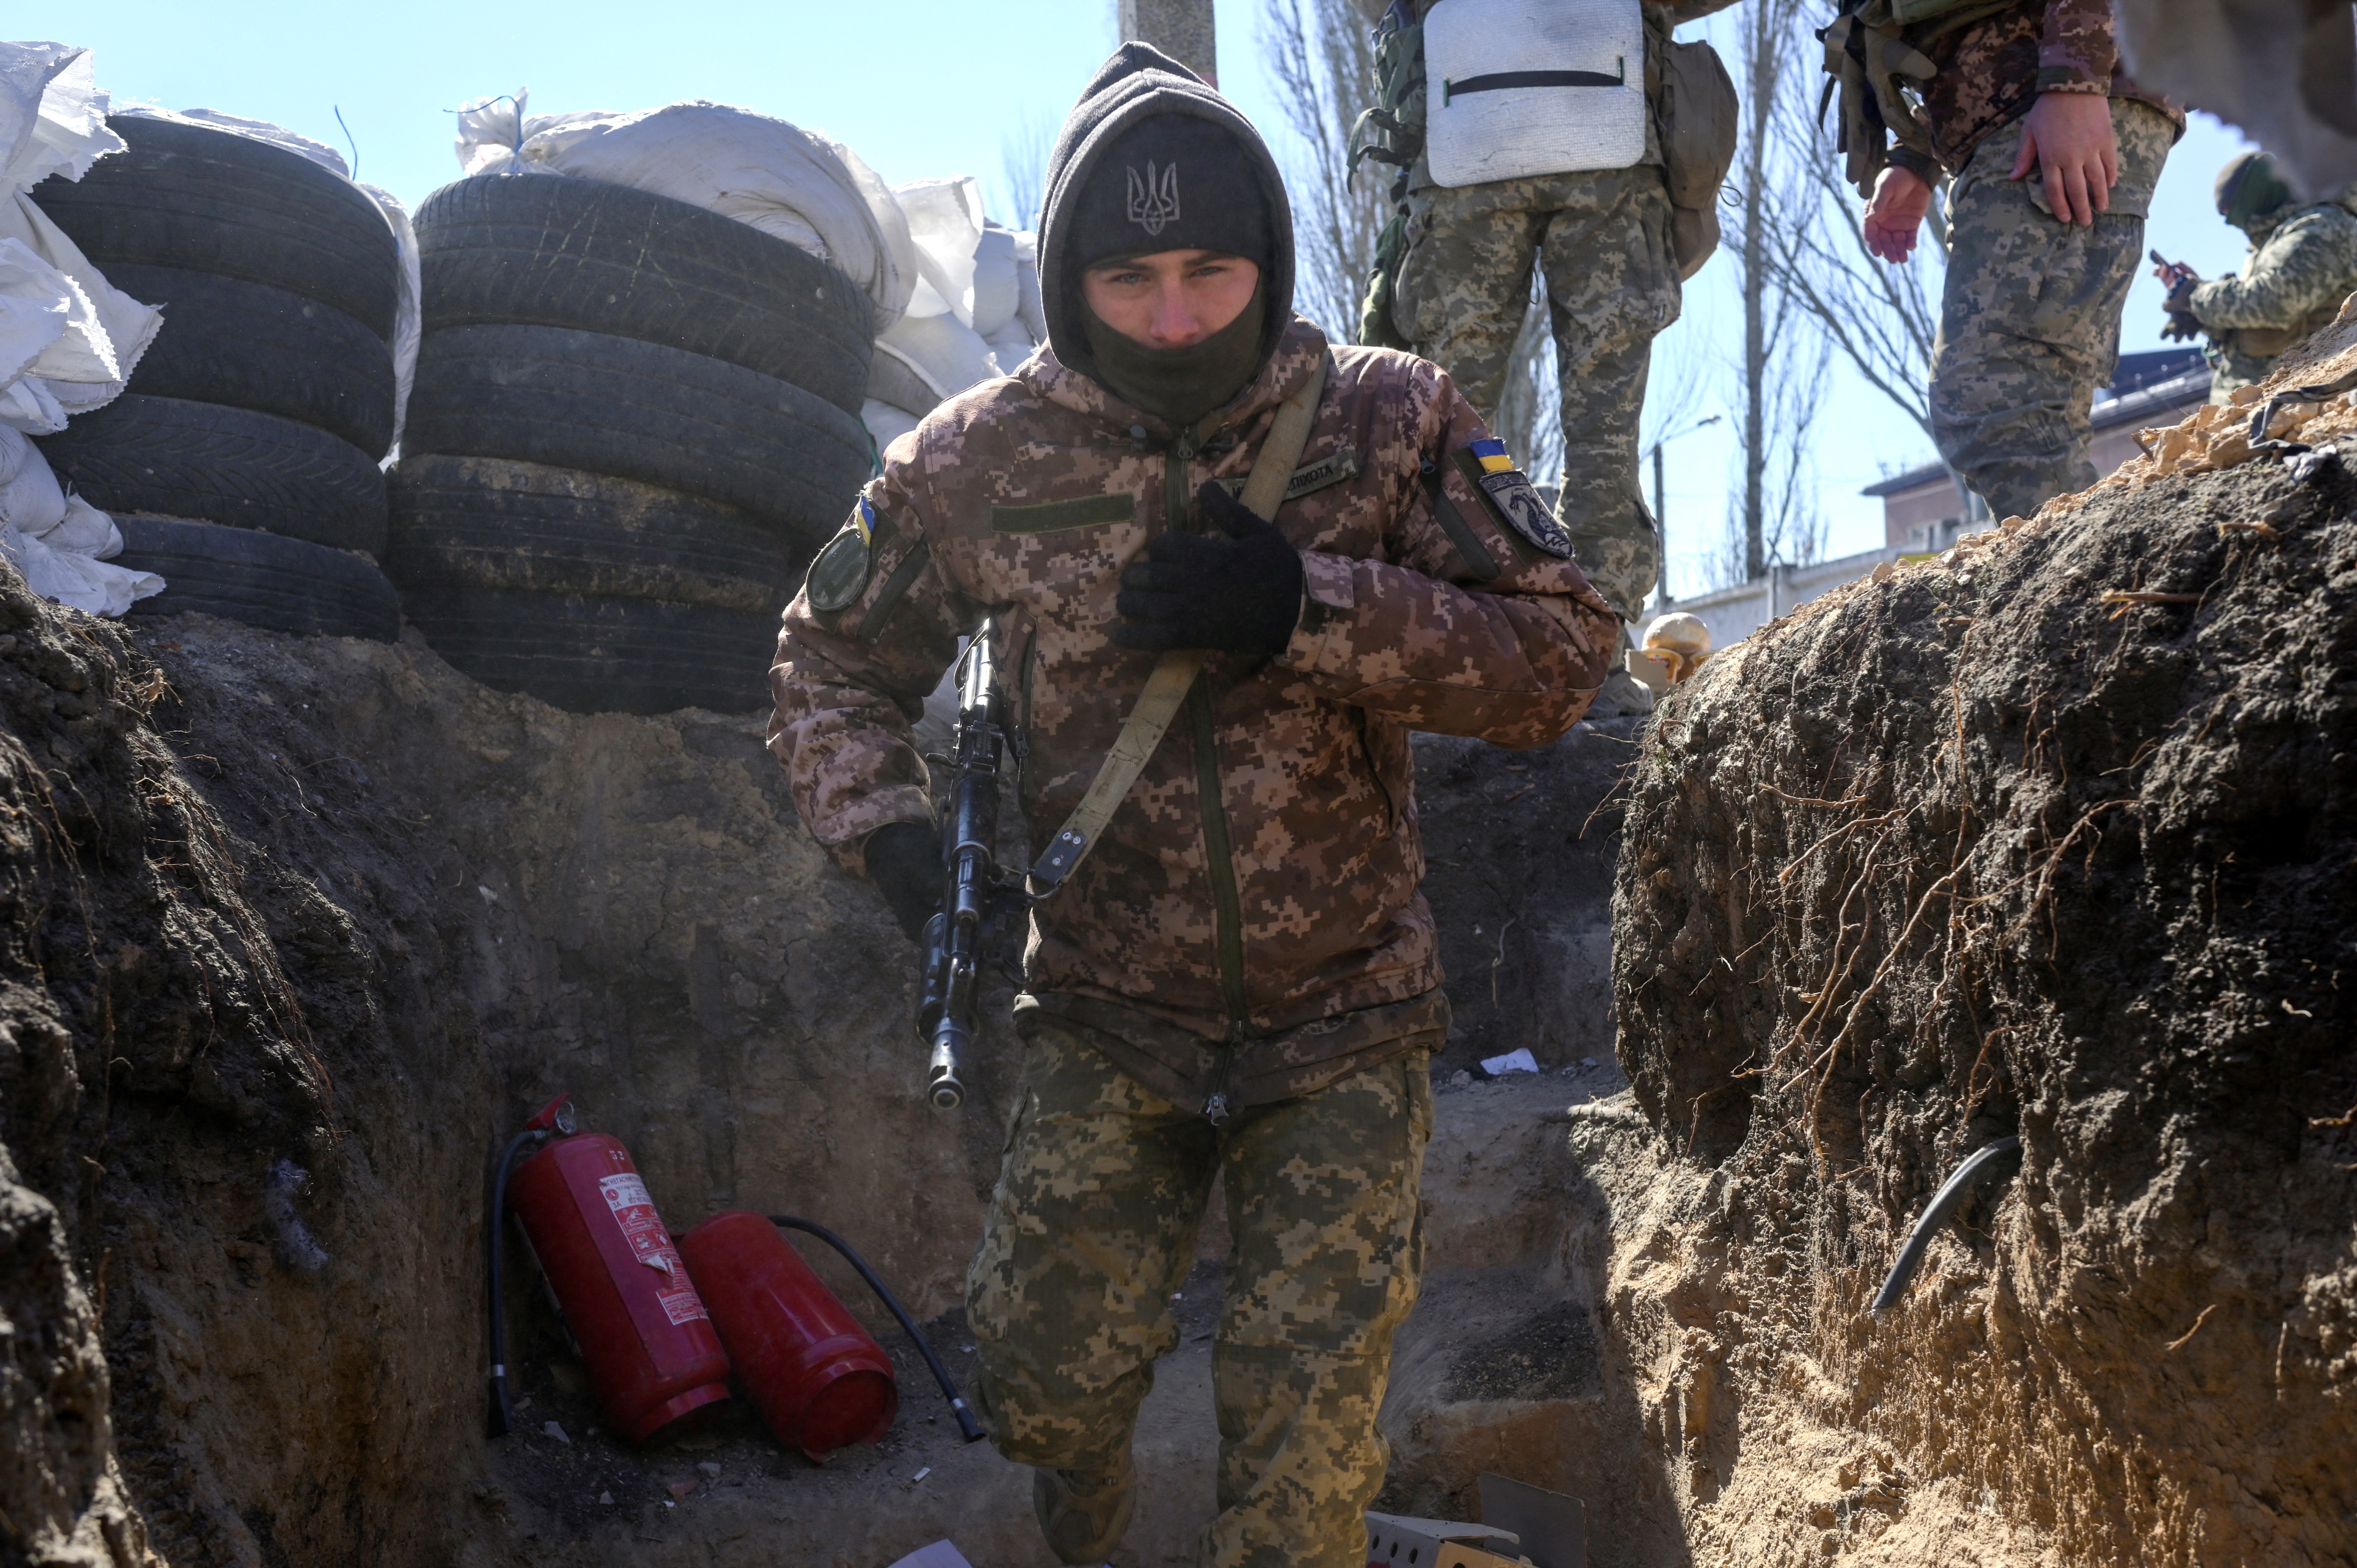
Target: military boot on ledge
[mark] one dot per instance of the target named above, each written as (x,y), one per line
(1083,1512)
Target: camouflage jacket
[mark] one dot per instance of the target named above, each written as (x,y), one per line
(2292,285)
(1991,70)
(1251,917)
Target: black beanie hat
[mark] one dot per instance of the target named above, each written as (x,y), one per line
(1144,93)
(1170,182)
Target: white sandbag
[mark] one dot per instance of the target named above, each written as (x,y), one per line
(798,185)
(1514,89)
(96,587)
(407,322)
(53,122)
(75,346)
(408,315)
(295,142)
(884,422)
(998,294)
(1031,306)
(1011,347)
(946,223)
(31,318)
(60,543)
(31,496)
(950,355)
(52,115)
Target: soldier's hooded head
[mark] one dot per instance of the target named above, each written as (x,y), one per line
(2253,194)
(1150,160)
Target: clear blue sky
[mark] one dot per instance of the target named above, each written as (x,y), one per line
(919,88)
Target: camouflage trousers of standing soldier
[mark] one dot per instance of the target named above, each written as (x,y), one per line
(1092,1227)
(1602,237)
(2029,317)
(2231,371)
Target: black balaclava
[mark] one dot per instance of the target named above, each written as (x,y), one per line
(1153,159)
(1178,385)
(2253,194)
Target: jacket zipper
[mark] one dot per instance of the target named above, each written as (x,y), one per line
(1226,906)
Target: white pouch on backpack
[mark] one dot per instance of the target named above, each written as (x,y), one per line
(1516,87)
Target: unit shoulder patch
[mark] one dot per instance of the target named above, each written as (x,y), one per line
(1511,499)
(840,573)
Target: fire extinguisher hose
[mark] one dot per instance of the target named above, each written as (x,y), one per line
(503,1416)
(967,1424)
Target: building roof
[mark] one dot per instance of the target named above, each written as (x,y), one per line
(2143,384)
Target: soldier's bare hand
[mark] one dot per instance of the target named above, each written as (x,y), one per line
(2068,137)
(1902,197)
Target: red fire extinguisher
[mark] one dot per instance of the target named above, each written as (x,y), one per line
(653,1340)
(654,1357)
(816,1377)
(810,1369)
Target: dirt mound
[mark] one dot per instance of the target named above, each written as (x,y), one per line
(2055,837)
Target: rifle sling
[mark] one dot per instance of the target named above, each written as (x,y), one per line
(1175,672)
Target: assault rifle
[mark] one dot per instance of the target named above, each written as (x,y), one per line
(948,1013)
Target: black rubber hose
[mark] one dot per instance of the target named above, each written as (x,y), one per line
(1944,1202)
(503,1416)
(967,1424)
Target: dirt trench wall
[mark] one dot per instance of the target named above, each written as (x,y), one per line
(216,1100)
(2054,837)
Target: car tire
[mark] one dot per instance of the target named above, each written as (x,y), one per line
(261,579)
(555,251)
(211,201)
(249,345)
(497,523)
(587,654)
(205,461)
(640,410)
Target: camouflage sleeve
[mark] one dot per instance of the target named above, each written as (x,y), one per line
(851,679)
(2308,261)
(2076,52)
(1466,629)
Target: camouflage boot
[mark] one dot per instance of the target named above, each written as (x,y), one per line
(1083,1512)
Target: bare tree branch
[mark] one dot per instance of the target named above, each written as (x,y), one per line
(1322,61)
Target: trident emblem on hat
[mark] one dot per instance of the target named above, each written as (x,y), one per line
(1154,200)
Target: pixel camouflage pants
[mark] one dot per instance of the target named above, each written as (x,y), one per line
(2029,315)
(1602,237)
(1092,1227)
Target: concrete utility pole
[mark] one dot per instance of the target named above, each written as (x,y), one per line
(1180,28)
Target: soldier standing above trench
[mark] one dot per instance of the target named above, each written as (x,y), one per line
(2052,153)
(1602,174)
(1241,977)
(2303,263)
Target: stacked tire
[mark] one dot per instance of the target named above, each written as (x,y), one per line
(242,462)
(633,422)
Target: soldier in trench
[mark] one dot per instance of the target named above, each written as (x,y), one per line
(1455,278)
(1241,978)
(2303,263)
(2051,153)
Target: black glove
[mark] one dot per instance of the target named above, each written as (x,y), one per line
(1237,595)
(904,861)
(2182,327)
(2180,301)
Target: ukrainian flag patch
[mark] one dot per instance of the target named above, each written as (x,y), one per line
(1513,502)
(1492,457)
(840,574)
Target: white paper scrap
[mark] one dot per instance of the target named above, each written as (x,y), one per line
(1517,1060)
